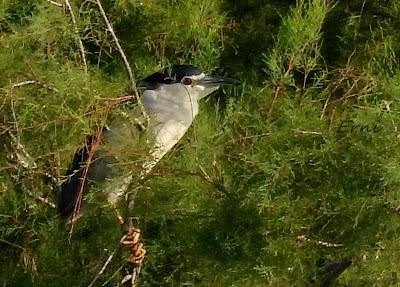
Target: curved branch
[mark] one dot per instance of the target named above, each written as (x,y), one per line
(121,51)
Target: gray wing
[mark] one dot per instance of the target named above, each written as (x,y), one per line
(172,111)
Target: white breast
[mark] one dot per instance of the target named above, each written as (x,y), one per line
(170,102)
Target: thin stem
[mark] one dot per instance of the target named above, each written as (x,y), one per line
(34,82)
(124,58)
(278,88)
(81,48)
(107,262)
(55,3)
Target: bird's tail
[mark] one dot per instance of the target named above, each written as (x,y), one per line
(69,190)
(331,271)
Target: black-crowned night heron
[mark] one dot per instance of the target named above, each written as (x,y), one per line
(171,102)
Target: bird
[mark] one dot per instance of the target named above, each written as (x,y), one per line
(171,101)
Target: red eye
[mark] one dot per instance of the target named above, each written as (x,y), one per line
(187,81)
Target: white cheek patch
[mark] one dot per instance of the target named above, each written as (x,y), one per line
(198,77)
(194,91)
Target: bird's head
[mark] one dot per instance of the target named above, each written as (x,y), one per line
(195,82)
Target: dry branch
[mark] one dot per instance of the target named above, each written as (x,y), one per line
(278,88)
(25,162)
(135,275)
(55,3)
(81,48)
(34,82)
(107,262)
(312,133)
(93,147)
(304,238)
(124,58)
(43,200)
(131,240)
(111,103)
(23,158)
(325,106)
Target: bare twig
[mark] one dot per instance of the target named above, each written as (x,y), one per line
(55,3)
(121,100)
(135,275)
(304,238)
(206,176)
(25,161)
(41,199)
(93,147)
(16,140)
(276,94)
(106,283)
(107,262)
(23,158)
(329,244)
(124,58)
(34,82)
(111,103)
(8,167)
(11,244)
(312,133)
(278,88)
(348,92)
(303,88)
(81,48)
(325,106)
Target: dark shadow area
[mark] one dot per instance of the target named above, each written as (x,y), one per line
(252,33)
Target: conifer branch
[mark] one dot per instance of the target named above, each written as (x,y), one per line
(112,102)
(278,88)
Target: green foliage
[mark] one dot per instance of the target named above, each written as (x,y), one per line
(302,155)
(298,39)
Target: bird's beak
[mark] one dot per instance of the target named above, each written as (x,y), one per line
(217,81)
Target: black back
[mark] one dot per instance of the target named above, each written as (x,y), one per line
(154,80)
(177,73)
(158,78)
(180,71)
